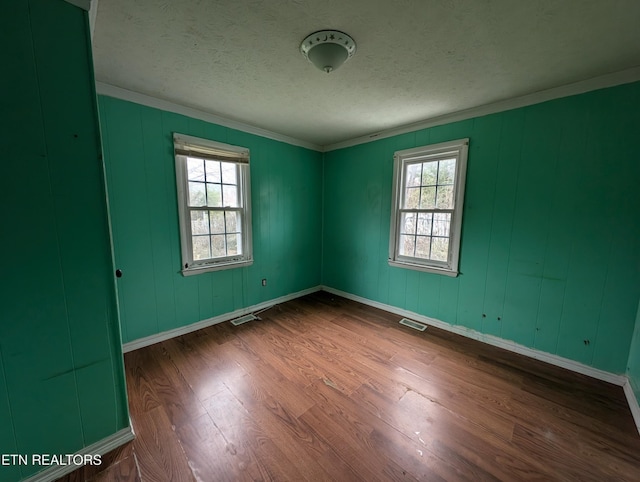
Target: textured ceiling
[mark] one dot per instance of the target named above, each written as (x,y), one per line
(416,59)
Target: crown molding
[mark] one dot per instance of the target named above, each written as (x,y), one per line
(601,82)
(83,4)
(604,81)
(149,101)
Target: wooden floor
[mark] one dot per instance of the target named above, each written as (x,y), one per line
(323,388)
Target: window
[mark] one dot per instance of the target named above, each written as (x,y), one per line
(426,216)
(214,204)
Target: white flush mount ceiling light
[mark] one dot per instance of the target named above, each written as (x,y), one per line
(328,49)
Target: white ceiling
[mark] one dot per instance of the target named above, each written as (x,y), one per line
(415,59)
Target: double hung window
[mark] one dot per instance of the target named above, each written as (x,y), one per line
(214,204)
(426,216)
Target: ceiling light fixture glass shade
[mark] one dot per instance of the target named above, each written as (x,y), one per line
(328,49)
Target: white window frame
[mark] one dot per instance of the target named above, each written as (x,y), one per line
(457,149)
(193,147)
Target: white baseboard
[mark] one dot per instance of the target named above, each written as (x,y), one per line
(491,340)
(633,403)
(183,330)
(102,447)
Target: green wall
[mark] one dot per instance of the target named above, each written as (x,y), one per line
(550,250)
(61,375)
(633,365)
(286,193)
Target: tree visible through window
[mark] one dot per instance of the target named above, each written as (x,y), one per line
(427,214)
(213,192)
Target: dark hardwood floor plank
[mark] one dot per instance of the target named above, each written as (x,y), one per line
(295,439)
(484,406)
(177,398)
(482,448)
(338,469)
(209,455)
(358,430)
(159,453)
(610,461)
(572,466)
(204,364)
(266,377)
(323,353)
(109,460)
(541,414)
(220,333)
(288,362)
(140,370)
(347,444)
(580,398)
(248,440)
(125,470)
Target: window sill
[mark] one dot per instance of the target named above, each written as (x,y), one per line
(421,267)
(215,267)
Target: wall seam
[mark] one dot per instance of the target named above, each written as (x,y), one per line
(57,230)
(169,182)
(513,215)
(153,261)
(13,424)
(323,159)
(573,243)
(493,215)
(115,344)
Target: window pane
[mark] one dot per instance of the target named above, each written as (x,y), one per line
(429,173)
(407,245)
(412,175)
(233,221)
(423,245)
(196,194)
(428,198)
(441,224)
(214,196)
(408,223)
(229,170)
(424,223)
(234,244)
(200,247)
(445,197)
(440,249)
(217,222)
(213,171)
(195,169)
(411,198)
(217,246)
(447,171)
(199,222)
(230,196)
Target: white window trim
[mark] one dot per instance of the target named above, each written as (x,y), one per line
(189,266)
(458,148)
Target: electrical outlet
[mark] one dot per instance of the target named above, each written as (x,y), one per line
(264,281)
